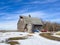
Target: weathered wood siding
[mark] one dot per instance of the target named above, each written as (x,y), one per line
(21,25)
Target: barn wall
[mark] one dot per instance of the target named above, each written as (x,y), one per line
(21,25)
(29,26)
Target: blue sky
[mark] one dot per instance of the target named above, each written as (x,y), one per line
(10,10)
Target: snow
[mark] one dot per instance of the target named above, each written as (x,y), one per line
(55,34)
(32,40)
(4,44)
(38,40)
(7,35)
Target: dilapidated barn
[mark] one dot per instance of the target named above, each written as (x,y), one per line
(28,23)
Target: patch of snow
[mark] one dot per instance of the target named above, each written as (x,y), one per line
(38,40)
(4,44)
(7,35)
(56,36)
(32,40)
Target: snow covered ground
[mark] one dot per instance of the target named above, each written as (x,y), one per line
(55,34)
(4,44)
(5,36)
(32,40)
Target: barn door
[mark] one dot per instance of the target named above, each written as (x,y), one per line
(29,26)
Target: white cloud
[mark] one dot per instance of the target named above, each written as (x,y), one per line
(51,0)
(14,1)
(8,25)
(9,22)
(56,20)
(2,3)
(53,17)
(44,1)
(36,14)
(4,7)
(17,0)
(9,16)
(11,25)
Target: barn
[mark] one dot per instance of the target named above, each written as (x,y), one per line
(28,23)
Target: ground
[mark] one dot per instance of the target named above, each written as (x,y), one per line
(50,36)
(35,39)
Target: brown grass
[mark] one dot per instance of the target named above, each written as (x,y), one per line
(57,33)
(17,38)
(12,42)
(48,36)
(30,34)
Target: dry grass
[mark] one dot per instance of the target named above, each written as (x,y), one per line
(48,35)
(17,38)
(57,33)
(13,43)
(31,34)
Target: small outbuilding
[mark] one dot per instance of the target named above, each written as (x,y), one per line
(28,24)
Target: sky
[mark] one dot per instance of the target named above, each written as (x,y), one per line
(10,10)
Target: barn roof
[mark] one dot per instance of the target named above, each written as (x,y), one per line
(32,20)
